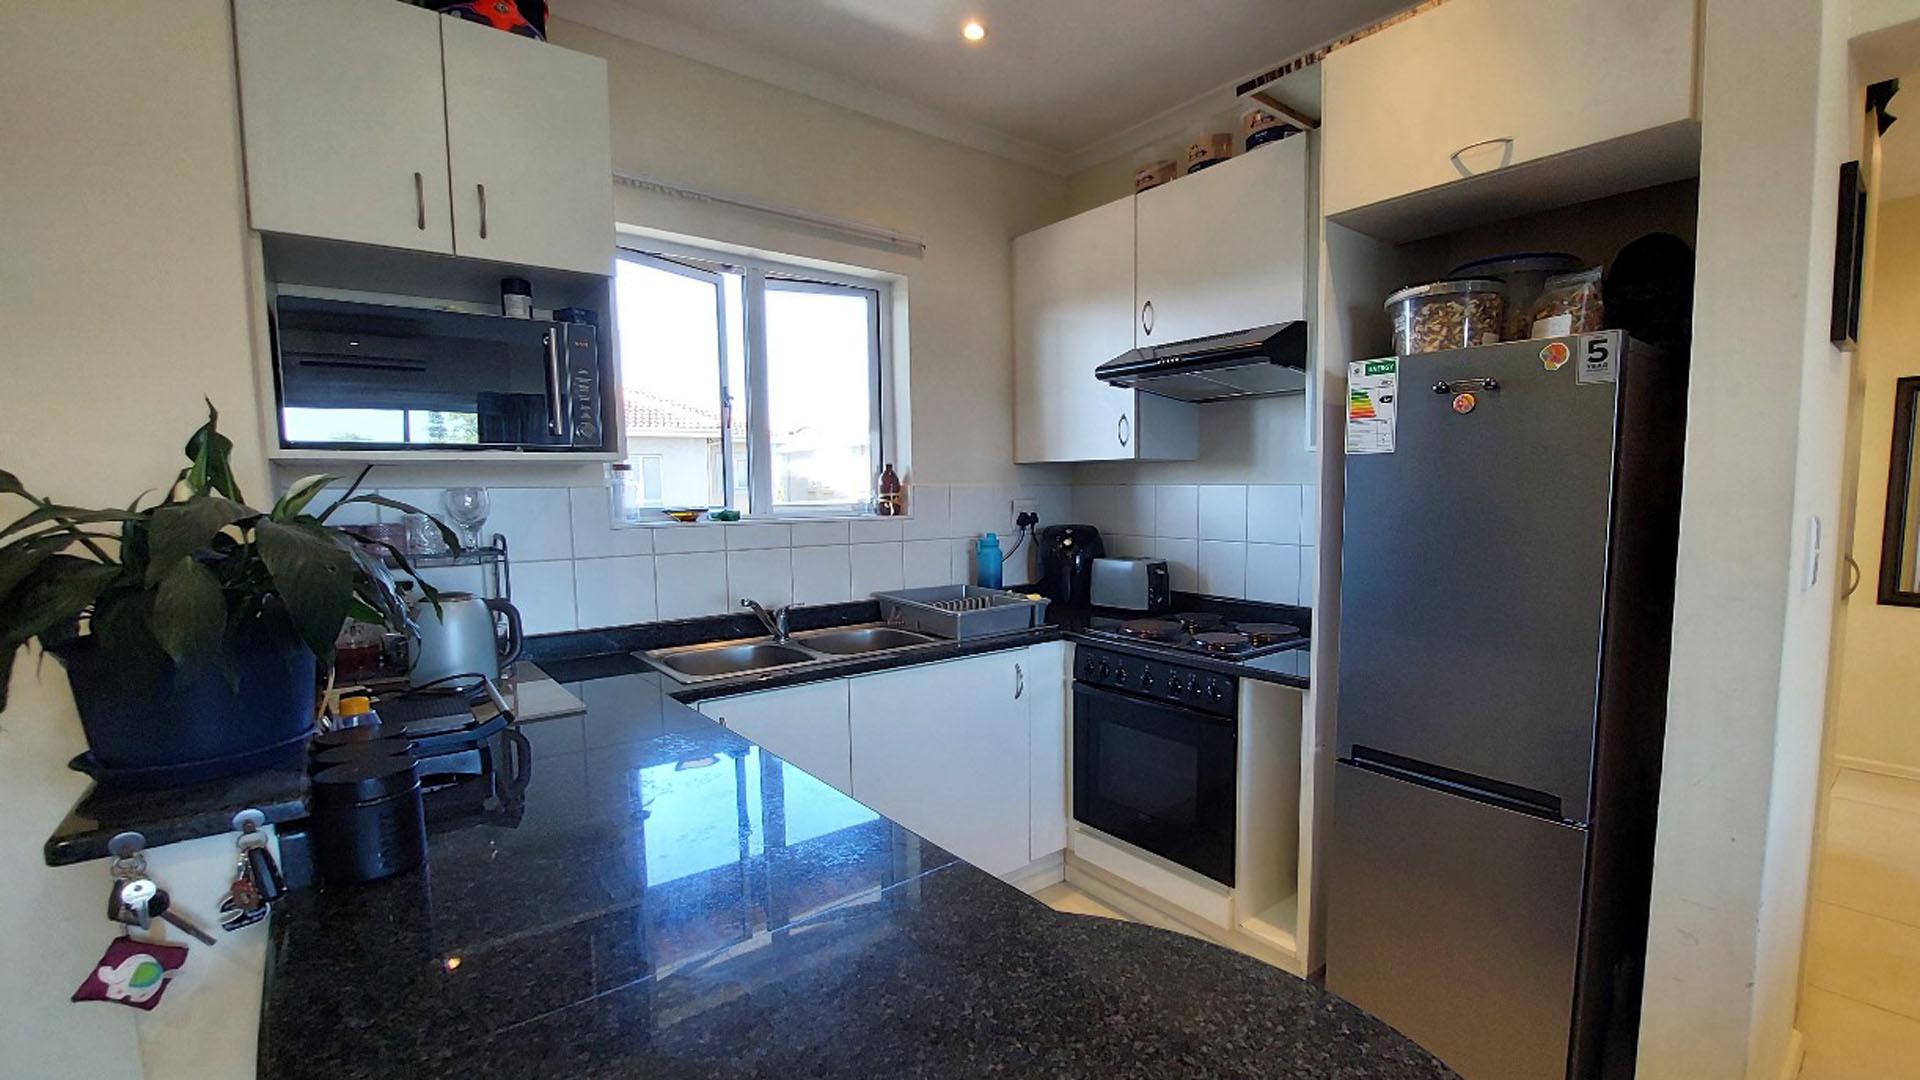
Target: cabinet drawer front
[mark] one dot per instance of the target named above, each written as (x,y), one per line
(528,145)
(1477,85)
(344,121)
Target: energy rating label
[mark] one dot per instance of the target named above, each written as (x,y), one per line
(1372,387)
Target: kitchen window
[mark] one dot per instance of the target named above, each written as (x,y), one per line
(748,384)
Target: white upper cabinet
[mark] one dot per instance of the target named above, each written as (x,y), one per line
(1225,249)
(1072,312)
(528,149)
(381,123)
(345,121)
(1479,86)
(942,749)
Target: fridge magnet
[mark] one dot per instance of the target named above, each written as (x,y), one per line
(132,973)
(1554,355)
(1464,403)
(1597,357)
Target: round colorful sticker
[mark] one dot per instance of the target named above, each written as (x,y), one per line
(1464,403)
(1555,355)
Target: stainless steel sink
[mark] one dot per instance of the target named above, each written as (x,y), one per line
(714,661)
(854,640)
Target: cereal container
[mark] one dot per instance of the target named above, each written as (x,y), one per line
(1447,315)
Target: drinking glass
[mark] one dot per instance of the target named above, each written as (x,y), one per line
(468,507)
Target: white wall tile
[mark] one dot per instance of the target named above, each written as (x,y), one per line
(1055,503)
(1123,546)
(352,514)
(926,562)
(876,567)
(1176,511)
(966,561)
(764,574)
(1223,512)
(1183,561)
(594,536)
(614,592)
(1310,514)
(819,533)
(930,513)
(1273,573)
(536,522)
(466,579)
(691,585)
(1223,568)
(1135,509)
(427,499)
(822,575)
(1273,513)
(755,536)
(543,591)
(875,530)
(1309,577)
(693,536)
(1098,505)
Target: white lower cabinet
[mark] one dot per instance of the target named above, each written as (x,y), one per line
(942,749)
(1049,730)
(805,725)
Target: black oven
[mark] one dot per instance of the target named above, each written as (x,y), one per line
(377,377)
(1155,748)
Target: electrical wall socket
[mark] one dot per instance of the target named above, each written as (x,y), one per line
(1024,506)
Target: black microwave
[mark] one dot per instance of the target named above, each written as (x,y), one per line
(358,376)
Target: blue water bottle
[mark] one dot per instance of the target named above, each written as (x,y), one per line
(988,562)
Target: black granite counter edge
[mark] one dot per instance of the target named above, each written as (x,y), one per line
(172,815)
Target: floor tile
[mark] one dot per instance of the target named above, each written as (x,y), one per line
(1865,957)
(1064,897)
(1891,792)
(1851,1040)
(1870,860)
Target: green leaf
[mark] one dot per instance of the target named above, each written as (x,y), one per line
(69,516)
(299,495)
(180,529)
(446,533)
(55,591)
(189,614)
(18,560)
(121,626)
(10,485)
(211,454)
(314,574)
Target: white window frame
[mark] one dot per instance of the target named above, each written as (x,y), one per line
(698,262)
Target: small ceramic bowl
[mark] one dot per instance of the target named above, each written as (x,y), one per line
(684,513)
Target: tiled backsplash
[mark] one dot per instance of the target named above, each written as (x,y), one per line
(1253,541)
(572,570)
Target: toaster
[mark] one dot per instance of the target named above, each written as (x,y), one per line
(1131,584)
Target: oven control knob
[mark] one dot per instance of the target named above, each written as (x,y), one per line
(1120,675)
(1215,694)
(1146,680)
(1105,669)
(1173,686)
(1193,685)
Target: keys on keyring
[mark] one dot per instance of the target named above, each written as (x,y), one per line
(136,901)
(256,881)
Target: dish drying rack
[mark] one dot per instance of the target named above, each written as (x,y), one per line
(957,612)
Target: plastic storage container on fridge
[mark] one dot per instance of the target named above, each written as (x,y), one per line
(1447,315)
(1525,275)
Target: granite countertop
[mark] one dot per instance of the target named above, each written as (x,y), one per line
(177,814)
(673,901)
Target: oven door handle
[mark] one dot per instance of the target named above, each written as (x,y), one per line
(1174,708)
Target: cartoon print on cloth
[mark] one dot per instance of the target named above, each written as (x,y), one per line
(132,973)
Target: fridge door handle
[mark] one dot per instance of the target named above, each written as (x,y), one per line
(1539,804)
(1461,386)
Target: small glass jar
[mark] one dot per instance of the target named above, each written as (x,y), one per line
(626,496)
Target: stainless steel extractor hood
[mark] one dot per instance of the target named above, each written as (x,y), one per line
(1253,363)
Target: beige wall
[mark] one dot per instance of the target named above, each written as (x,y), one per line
(1879,670)
(1764,457)
(122,302)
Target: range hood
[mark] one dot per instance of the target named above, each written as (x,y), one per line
(1253,363)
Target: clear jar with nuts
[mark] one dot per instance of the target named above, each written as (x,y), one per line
(1447,315)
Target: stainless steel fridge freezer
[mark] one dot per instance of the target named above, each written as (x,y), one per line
(1510,525)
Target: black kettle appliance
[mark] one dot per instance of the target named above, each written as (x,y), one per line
(1066,563)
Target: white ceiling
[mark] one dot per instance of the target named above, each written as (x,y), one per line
(1054,82)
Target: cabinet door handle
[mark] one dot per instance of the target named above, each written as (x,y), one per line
(1146,311)
(1506,158)
(482,189)
(1019,681)
(1124,429)
(420,202)
(556,386)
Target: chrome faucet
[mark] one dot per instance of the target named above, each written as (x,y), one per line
(775,621)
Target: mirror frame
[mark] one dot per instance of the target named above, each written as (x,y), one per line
(1900,479)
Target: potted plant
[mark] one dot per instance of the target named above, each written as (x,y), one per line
(191,630)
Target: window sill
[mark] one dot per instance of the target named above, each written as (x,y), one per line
(664,522)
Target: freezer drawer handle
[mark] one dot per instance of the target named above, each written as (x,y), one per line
(1461,386)
(1454,782)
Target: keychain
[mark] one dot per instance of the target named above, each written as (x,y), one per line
(256,881)
(135,972)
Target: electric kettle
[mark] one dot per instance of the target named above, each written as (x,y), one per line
(460,639)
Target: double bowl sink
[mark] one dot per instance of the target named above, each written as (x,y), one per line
(726,659)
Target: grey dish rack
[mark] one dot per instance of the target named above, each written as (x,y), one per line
(961,611)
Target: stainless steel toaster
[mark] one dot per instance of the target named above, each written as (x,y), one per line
(1131,584)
